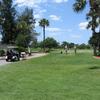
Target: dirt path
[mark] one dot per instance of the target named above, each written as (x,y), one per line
(3,62)
(34,55)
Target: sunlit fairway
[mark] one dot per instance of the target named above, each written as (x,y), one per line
(52,77)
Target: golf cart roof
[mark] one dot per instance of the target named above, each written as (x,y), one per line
(12,47)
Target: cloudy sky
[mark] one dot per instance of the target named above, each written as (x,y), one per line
(65,24)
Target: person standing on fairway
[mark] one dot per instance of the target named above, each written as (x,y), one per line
(75,48)
(66,49)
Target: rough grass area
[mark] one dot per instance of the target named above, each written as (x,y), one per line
(53,77)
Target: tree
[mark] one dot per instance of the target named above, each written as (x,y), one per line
(94,12)
(7,21)
(83,46)
(43,23)
(93,15)
(95,41)
(50,43)
(71,45)
(64,43)
(25,28)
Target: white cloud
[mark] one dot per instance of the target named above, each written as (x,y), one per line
(54,17)
(36,24)
(35,4)
(37,16)
(43,11)
(54,34)
(75,36)
(31,3)
(56,30)
(83,25)
(52,29)
(59,1)
(38,13)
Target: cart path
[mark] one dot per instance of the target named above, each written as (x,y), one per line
(34,55)
(3,62)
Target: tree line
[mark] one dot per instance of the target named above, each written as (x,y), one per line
(51,43)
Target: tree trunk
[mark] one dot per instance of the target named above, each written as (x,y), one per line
(99,50)
(94,47)
(44,38)
(94,51)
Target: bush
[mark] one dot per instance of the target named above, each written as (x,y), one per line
(2,52)
(47,50)
(21,49)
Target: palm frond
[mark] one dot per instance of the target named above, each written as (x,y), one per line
(79,5)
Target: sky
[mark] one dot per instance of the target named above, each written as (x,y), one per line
(65,24)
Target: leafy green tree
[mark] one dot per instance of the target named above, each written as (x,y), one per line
(40,44)
(35,43)
(22,40)
(50,43)
(83,46)
(25,28)
(64,43)
(71,45)
(7,21)
(43,23)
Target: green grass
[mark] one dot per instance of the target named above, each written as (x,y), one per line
(53,77)
(35,49)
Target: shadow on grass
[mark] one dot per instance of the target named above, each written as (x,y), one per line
(94,67)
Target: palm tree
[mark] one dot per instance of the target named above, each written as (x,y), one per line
(43,23)
(93,15)
(94,12)
(79,5)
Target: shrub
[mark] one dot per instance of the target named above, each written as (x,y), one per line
(2,52)
(21,49)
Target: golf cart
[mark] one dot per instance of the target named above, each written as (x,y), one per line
(12,54)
